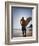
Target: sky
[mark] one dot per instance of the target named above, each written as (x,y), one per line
(18,13)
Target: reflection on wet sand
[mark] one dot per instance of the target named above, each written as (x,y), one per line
(18,33)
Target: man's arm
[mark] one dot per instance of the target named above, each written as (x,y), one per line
(20,22)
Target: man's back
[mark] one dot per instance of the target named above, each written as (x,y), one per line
(23,22)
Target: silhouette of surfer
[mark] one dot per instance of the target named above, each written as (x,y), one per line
(23,24)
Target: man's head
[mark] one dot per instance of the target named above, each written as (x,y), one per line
(23,18)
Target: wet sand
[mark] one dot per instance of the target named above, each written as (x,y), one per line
(18,33)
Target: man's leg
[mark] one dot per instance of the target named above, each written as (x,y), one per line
(25,32)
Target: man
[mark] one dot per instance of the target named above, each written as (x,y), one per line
(23,24)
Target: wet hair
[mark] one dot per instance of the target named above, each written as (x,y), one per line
(22,17)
